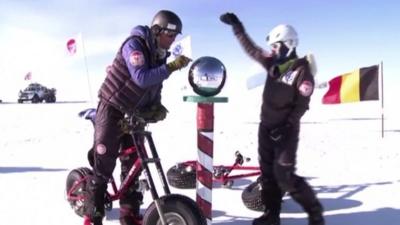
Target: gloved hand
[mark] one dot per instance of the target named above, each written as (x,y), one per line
(179,63)
(233,20)
(280,133)
(153,113)
(159,112)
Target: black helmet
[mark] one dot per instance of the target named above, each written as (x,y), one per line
(167,20)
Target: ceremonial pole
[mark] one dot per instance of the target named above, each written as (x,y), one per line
(207,77)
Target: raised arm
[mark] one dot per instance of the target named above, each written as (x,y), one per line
(254,51)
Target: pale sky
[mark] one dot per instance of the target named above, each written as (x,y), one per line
(343,35)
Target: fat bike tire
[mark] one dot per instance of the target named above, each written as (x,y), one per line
(182,176)
(177,210)
(251,197)
(74,177)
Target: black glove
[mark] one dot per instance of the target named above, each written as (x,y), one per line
(233,20)
(180,62)
(280,133)
(159,112)
(153,113)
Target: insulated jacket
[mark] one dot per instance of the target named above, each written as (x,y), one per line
(287,90)
(135,77)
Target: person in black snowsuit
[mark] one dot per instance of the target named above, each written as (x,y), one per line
(133,84)
(286,96)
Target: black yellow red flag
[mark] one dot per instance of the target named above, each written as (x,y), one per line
(358,85)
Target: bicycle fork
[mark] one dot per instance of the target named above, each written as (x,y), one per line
(137,137)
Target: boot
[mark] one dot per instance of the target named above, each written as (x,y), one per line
(95,197)
(130,208)
(268,218)
(315,216)
(128,217)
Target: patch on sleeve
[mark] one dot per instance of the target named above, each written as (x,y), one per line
(101,149)
(306,88)
(136,58)
(289,77)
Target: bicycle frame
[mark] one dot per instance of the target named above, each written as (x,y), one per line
(140,164)
(222,173)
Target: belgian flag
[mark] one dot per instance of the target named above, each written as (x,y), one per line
(359,85)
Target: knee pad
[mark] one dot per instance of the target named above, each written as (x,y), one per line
(285,177)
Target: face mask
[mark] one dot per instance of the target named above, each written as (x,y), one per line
(280,52)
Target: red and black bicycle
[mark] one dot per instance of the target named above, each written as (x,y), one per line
(164,210)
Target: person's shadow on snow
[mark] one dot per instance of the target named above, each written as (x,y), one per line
(25,169)
(386,216)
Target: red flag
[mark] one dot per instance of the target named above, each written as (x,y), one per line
(71,46)
(28,76)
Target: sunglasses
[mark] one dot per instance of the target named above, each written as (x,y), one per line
(170,33)
(275,45)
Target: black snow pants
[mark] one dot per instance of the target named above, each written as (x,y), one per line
(109,140)
(278,164)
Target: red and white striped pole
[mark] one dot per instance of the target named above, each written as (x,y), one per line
(207,77)
(204,170)
(205,146)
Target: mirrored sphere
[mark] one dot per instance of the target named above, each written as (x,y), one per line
(207,76)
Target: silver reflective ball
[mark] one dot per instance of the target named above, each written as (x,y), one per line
(207,76)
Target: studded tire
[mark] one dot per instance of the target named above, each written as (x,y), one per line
(76,177)
(251,197)
(182,176)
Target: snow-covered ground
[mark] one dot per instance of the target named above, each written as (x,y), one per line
(354,171)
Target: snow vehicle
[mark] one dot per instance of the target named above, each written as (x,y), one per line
(36,93)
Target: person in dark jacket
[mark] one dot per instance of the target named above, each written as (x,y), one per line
(286,96)
(133,83)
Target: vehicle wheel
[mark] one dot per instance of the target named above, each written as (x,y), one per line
(20,101)
(182,176)
(73,178)
(35,99)
(251,197)
(177,210)
(51,99)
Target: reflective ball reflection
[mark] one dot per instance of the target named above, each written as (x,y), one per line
(207,76)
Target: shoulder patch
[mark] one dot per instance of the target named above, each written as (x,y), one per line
(289,77)
(306,88)
(136,58)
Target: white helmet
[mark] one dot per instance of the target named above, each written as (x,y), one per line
(283,33)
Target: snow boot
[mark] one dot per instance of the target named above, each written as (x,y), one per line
(127,217)
(268,218)
(315,216)
(129,213)
(95,197)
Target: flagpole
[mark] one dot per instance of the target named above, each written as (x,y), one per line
(87,70)
(382,103)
